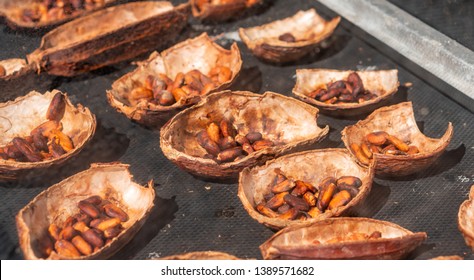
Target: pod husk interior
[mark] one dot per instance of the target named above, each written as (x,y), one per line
(285,121)
(110,181)
(383,83)
(296,242)
(309,166)
(13,67)
(466,219)
(398,120)
(203,255)
(222,12)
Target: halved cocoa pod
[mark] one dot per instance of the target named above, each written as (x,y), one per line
(309,166)
(108,36)
(381,83)
(285,121)
(200,53)
(327,240)
(219,11)
(202,255)
(466,219)
(35,14)
(307,27)
(112,182)
(398,120)
(18,118)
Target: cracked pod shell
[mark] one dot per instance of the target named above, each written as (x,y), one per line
(112,182)
(108,36)
(383,83)
(398,120)
(12,11)
(296,241)
(202,255)
(466,219)
(308,28)
(309,166)
(221,12)
(20,116)
(199,53)
(289,123)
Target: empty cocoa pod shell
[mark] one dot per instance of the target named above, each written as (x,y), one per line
(308,241)
(20,116)
(308,28)
(201,255)
(285,121)
(219,12)
(13,11)
(309,166)
(466,219)
(200,53)
(105,37)
(381,83)
(14,68)
(112,182)
(398,120)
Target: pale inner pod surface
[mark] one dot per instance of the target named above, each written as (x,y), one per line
(20,117)
(112,182)
(203,255)
(12,66)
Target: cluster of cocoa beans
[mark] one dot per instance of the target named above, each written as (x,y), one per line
(380,142)
(164,91)
(48,10)
(224,144)
(45,142)
(98,222)
(350,90)
(291,199)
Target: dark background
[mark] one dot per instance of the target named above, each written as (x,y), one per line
(194,215)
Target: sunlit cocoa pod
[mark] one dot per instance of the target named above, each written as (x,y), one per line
(291,214)
(27,149)
(366,150)
(310,198)
(299,189)
(89,209)
(108,223)
(114,211)
(68,233)
(359,154)
(93,238)
(287,37)
(412,150)
(266,211)
(325,196)
(296,202)
(112,232)
(227,129)
(314,212)
(349,181)
(377,138)
(214,132)
(54,231)
(253,136)
(339,199)
(241,139)
(80,226)
(82,245)
(229,154)
(204,141)
(66,249)
(262,144)
(276,201)
(284,186)
(56,108)
(399,144)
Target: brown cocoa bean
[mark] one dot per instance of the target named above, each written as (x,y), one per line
(93,238)
(89,209)
(229,154)
(287,37)
(339,199)
(112,232)
(108,223)
(325,196)
(399,144)
(296,202)
(284,186)
(227,129)
(291,214)
(95,199)
(82,245)
(253,136)
(377,138)
(241,139)
(54,231)
(359,154)
(66,249)
(28,151)
(262,144)
(226,142)
(204,141)
(68,233)
(276,201)
(266,211)
(56,108)
(348,181)
(114,211)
